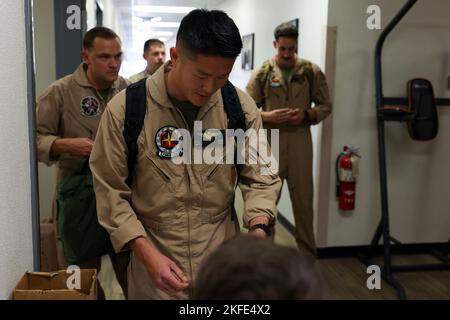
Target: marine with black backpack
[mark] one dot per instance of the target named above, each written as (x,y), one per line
(173,215)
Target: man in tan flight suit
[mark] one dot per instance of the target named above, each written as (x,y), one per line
(69,112)
(155,55)
(175,215)
(285,87)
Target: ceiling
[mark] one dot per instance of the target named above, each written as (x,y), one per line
(135,23)
(135,27)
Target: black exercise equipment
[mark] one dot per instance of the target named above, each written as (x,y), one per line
(421,102)
(419,111)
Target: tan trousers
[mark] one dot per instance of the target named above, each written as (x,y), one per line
(295,166)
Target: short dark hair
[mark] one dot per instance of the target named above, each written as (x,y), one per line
(251,268)
(286,30)
(152,42)
(212,33)
(97,32)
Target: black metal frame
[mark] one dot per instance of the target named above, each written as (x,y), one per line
(383,228)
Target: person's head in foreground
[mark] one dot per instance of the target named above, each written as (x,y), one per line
(252,268)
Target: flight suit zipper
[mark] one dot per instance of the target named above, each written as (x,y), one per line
(288,85)
(188,209)
(287,90)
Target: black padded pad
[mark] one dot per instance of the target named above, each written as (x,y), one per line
(421,102)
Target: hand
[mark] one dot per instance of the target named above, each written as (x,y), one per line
(297,117)
(81,147)
(260,233)
(163,272)
(74,146)
(277,116)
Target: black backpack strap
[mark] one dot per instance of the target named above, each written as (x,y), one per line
(236,120)
(233,108)
(136,104)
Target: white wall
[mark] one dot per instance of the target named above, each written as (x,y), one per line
(110,16)
(111,20)
(260,17)
(16,256)
(419,191)
(91,9)
(44,43)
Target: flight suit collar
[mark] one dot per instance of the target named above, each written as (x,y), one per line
(81,79)
(158,91)
(276,71)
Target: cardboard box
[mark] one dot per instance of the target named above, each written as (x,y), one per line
(53,286)
(49,257)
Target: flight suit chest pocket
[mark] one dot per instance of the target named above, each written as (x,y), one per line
(277,97)
(74,126)
(219,186)
(158,170)
(153,190)
(300,87)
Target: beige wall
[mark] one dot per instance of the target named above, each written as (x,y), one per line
(44,42)
(419,193)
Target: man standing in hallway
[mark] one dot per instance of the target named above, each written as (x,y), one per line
(285,87)
(155,55)
(69,112)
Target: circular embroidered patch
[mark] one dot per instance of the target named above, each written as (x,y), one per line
(89,107)
(168,143)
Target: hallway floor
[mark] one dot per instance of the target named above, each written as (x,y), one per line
(345,278)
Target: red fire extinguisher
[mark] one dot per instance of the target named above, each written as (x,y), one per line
(346,173)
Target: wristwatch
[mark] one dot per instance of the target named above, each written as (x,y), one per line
(265,227)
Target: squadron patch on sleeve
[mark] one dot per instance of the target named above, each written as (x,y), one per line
(168,143)
(90,107)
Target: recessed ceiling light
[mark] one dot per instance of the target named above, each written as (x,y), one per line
(154,22)
(163,9)
(164,24)
(155,19)
(161,33)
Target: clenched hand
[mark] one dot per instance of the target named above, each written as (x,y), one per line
(163,272)
(278,116)
(74,146)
